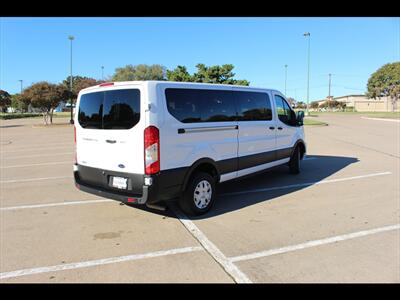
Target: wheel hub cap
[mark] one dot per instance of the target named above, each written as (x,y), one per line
(202,194)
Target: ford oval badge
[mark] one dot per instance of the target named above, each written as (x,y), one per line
(121,166)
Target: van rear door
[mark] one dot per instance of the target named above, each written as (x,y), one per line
(109,129)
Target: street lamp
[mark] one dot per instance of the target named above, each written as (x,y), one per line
(308,73)
(20,80)
(71,121)
(285,77)
(102,72)
(330,75)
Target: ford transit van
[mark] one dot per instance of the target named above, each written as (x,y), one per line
(145,142)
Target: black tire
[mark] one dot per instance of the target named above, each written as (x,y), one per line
(187,201)
(294,163)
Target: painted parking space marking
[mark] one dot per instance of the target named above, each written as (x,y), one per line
(307,184)
(231,269)
(55,204)
(35,165)
(381,119)
(314,243)
(37,149)
(34,179)
(39,155)
(98,262)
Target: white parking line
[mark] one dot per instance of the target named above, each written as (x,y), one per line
(34,179)
(233,271)
(315,243)
(55,204)
(306,184)
(381,119)
(39,155)
(38,149)
(97,262)
(34,165)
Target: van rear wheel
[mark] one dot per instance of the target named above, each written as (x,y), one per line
(294,163)
(199,195)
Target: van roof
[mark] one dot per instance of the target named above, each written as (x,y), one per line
(178,83)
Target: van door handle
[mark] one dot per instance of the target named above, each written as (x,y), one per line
(280,128)
(111,141)
(272,127)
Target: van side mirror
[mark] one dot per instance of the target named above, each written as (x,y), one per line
(300,117)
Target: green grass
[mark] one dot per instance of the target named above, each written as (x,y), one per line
(308,122)
(8,116)
(388,115)
(62,114)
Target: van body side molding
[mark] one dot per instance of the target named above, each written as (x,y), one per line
(208,128)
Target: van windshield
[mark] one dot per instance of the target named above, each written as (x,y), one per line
(115,109)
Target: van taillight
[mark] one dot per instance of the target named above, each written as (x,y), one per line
(151,150)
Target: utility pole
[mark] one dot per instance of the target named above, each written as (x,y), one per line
(71,121)
(307,34)
(285,78)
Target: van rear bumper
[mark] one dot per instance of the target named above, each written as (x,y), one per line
(135,199)
(89,180)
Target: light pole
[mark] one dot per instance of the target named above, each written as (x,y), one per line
(102,72)
(285,78)
(329,85)
(71,121)
(20,80)
(308,74)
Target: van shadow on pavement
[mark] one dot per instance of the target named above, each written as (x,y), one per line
(314,169)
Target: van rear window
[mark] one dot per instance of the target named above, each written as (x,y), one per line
(115,109)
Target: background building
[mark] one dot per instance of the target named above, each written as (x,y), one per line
(363,103)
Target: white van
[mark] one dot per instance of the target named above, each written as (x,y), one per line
(144,142)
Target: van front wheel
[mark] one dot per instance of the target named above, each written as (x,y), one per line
(199,195)
(294,163)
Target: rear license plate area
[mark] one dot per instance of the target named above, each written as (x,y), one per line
(119,182)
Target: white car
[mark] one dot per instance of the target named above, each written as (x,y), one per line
(144,142)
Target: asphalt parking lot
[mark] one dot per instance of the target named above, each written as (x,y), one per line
(337,221)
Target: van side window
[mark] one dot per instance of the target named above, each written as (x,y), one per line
(195,105)
(217,106)
(283,110)
(253,106)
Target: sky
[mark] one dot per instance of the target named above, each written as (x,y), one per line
(351,49)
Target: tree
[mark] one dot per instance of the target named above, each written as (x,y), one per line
(213,74)
(291,101)
(19,103)
(301,105)
(5,100)
(385,82)
(46,97)
(139,72)
(180,73)
(78,83)
(217,74)
(314,104)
